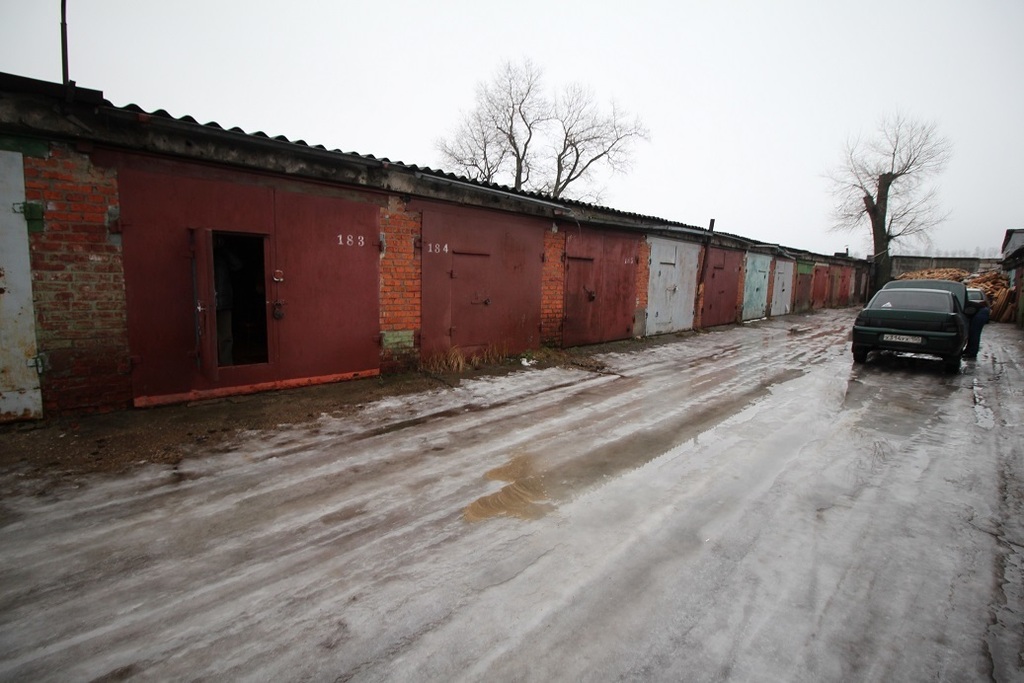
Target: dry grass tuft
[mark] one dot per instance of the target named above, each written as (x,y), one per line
(450,361)
(456,361)
(492,355)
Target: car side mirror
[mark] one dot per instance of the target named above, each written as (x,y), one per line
(971,309)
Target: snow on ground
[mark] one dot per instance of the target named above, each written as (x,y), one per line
(742,505)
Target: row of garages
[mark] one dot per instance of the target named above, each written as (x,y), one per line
(741,285)
(164,261)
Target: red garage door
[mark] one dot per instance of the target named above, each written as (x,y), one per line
(236,285)
(600,286)
(722,282)
(481,280)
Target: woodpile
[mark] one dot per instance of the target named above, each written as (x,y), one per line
(1002,298)
(1003,307)
(936,274)
(995,285)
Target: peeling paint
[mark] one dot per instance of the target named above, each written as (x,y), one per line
(20,396)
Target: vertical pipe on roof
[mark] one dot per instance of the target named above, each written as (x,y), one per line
(64,38)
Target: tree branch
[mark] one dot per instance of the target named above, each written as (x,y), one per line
(515,132)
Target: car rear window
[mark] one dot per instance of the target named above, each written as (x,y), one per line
(911,300)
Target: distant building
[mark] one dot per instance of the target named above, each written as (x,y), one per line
(910,264)
(1013,265)
(1013,241)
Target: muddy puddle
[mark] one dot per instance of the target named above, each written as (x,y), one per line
(538,482)
(525,496)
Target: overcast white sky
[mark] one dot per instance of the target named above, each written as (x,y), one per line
(748,102)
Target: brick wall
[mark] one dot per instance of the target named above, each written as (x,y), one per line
(552,289)
(643,275)
(400,286)
(78,284)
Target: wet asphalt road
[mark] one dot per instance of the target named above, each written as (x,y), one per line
(742,505)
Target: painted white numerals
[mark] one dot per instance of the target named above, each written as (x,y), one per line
(351,241)
(435,248)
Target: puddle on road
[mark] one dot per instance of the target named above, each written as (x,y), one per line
(524,497)
(537,484)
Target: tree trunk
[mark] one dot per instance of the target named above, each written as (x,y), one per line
(877,210)
(883,271)
(882,261)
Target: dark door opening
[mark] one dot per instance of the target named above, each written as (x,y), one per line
(240,284)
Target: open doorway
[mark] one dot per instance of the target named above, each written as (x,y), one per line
(240,285)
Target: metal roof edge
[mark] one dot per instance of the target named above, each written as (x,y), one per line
(188,126)
(71,92)
(164,120)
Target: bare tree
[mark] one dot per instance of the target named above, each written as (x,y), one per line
(587,137)
(477,148)
(518,135)
(885,181)
(495,141)
(517,109)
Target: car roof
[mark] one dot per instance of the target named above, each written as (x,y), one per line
(924,289)
(958,289)
(927,290)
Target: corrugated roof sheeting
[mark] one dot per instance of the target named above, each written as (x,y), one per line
(577,210)
(425,170)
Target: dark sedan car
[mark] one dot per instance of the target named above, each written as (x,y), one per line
(977,297)
(905,320)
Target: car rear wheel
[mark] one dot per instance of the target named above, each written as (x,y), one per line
(860,354)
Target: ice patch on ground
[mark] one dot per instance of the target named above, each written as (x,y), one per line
(983,416)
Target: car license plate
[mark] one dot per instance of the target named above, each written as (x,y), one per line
(902,338)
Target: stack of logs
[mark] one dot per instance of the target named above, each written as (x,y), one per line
(995,285)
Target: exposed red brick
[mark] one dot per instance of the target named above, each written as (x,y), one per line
(400,278)
(552,288)
(78,291)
